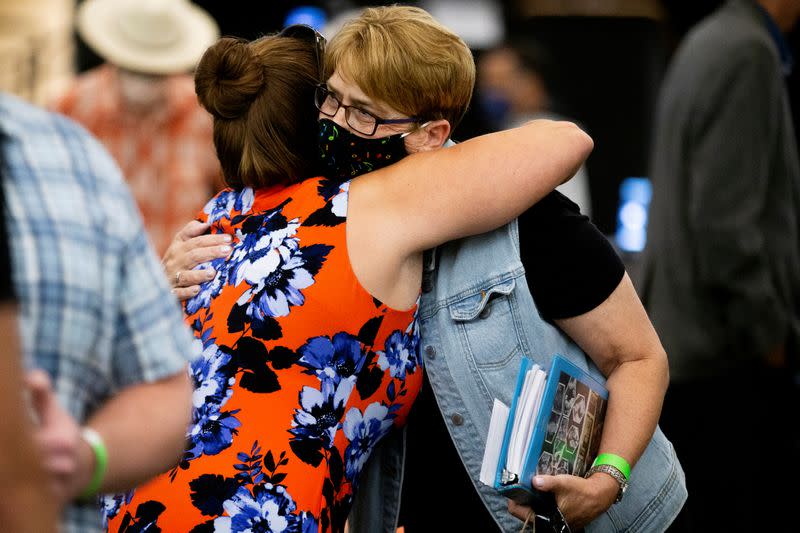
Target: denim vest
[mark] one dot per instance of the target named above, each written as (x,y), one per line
(477,320)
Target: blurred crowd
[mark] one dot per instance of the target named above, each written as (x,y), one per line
(699,101)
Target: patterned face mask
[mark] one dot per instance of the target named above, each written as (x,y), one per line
(346,155)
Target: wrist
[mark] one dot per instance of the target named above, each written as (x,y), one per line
(618,479)
(606,488)
(93,461)
(619,463)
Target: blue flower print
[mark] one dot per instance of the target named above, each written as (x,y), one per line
(328,188)
(277,277)
(212,431)
(413,333)
(270,260)
(213,374)
(364,432)
(112,503)
(276,292)
(263,240)
(208,289)
(314,426)
(335,359)
(400,355)
(308,524)
(321,411)
(339,201)
(269,508)
(334,212)
(227,201)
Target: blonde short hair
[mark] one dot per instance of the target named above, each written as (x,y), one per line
(402,56)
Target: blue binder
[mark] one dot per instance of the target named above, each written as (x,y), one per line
(566,434)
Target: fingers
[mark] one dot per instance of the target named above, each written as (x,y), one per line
(204,241)
(198,255)
(518,510)
(545,483)
(192,229)
(191,247)
(184,293)
(183,257)
(190,278)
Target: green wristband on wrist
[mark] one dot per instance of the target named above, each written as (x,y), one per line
(616,461)
(94,440)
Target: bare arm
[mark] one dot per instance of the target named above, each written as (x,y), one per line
(144,429)
(162,412)
(620,339)
(25,500)
(476,186)
(424,200)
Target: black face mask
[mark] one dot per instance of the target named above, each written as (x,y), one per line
(345,155)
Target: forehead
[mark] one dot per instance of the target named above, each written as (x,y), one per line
(351,94)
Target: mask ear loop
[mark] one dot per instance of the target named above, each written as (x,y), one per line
(406,134)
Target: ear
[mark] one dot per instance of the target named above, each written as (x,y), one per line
(431,137)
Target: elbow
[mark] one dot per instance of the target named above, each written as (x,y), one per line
(578,145)
(583,142)
(662,369)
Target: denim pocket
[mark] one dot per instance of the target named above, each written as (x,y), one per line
(487,322)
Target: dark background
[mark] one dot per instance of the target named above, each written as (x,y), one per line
(610,69)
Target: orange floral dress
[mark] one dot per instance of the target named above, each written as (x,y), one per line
(302,373)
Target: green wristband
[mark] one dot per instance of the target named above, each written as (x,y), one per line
(94,440)
(616,461)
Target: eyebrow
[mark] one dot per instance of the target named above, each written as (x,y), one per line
(354,101)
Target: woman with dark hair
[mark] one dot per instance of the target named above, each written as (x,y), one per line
(309,327)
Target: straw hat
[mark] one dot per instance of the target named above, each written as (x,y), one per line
(148,36)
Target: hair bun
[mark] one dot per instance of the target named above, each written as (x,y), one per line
(228,78)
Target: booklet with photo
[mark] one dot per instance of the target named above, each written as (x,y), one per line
(553,426)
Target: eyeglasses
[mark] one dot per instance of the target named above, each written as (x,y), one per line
(308,34)
(361,121)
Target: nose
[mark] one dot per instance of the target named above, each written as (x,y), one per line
(340,117)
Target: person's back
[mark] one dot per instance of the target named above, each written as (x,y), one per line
(709,236)
(74,235)
(24,503)
(287,314)
(95,310)
(723,255)
(303,369)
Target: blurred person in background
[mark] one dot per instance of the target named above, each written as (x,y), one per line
(97,320)
(26,505)
(310,327)
(469,301)
(515,85)
(722,263)
(141,104)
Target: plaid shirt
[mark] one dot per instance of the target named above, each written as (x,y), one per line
(167,155)
(95,307)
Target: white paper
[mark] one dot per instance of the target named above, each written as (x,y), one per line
(528,409)
(494,442)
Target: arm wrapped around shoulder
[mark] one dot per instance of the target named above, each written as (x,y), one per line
(574,141)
